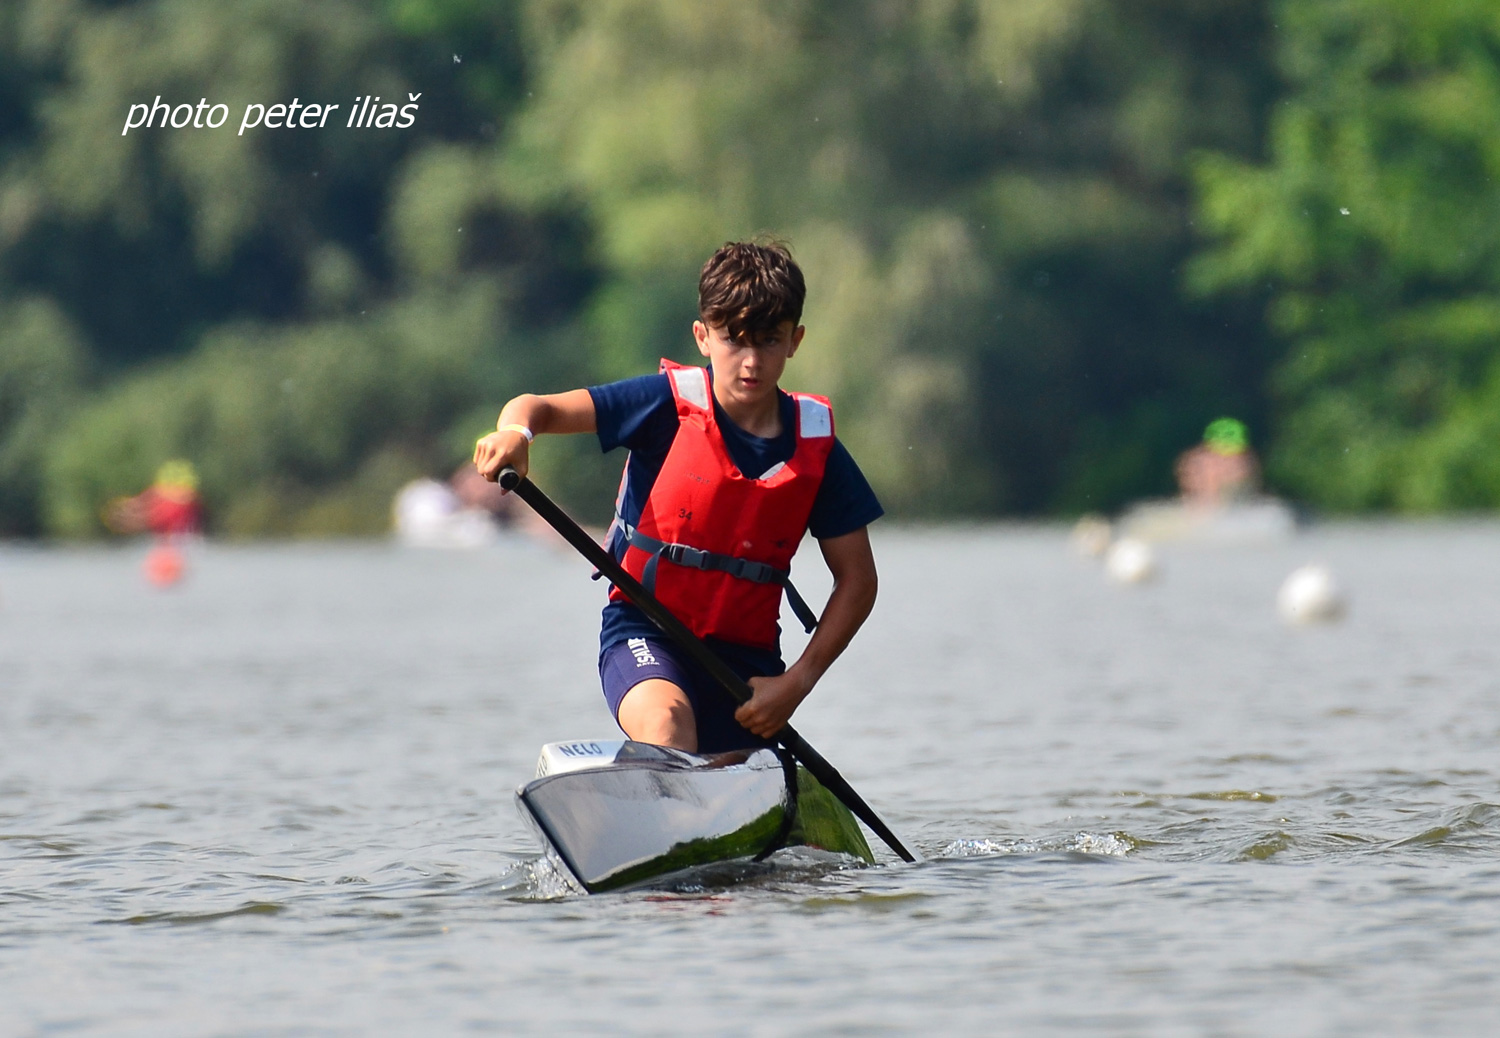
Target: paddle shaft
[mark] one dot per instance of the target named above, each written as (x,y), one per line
(705,657)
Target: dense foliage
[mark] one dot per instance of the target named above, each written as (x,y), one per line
(1376,228)
(994,204)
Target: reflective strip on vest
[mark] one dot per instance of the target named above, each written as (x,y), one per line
(691,384)
(814,418)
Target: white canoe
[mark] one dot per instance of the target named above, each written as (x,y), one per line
(617,813)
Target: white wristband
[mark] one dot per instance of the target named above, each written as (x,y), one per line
(530,436)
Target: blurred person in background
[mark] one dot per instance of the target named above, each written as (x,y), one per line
(170,509)
(1221,469)
(474,491)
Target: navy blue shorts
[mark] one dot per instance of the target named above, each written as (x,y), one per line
(626,664)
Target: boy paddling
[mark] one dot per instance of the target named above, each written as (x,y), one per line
(726,473)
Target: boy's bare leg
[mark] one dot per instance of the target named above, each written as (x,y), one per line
(657,711)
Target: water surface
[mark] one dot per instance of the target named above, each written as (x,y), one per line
(277,800)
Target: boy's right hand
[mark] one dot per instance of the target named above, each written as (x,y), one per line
(499,449)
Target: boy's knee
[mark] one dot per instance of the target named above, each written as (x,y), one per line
(658,712)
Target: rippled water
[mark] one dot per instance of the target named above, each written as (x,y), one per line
(278,800)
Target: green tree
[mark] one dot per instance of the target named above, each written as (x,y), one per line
(148,239)
(293,310)
(989,199)
(42,366)
(1374,229)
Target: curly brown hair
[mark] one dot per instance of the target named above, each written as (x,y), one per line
(751,288)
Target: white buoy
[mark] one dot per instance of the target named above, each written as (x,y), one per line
(1130,561)
(1091,536)
(1310,596)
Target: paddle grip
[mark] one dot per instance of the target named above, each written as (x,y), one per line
(508,478)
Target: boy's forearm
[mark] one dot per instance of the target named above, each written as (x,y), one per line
(775,699)
(570,412)
(848,607)
(854,585)
(527,416)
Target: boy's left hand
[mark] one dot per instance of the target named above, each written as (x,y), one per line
(772,703)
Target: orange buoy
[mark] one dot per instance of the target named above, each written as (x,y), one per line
(164,565)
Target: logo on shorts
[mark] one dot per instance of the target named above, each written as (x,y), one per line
(641,651)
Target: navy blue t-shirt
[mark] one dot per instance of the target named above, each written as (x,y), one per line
(641,415)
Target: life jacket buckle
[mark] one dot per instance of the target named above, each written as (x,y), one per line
(684,555)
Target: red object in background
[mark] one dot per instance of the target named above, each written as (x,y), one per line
(164,565)
(171,511)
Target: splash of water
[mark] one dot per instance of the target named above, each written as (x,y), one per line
(542,878)
(1114,845)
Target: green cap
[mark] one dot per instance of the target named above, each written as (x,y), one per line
(1227,436)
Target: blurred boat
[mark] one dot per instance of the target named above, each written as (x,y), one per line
(618,814)
(428,514)
(1220,501)
(1239,521)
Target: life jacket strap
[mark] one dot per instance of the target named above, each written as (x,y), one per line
(697,558)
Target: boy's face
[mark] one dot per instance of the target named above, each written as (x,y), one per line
(746,373)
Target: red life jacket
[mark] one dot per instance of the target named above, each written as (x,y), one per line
(715,546)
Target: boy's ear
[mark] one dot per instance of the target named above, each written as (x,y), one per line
(700,336)
(796,340)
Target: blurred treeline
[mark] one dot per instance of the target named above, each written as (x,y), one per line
(1046,240)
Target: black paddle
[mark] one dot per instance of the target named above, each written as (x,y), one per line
(705,657)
